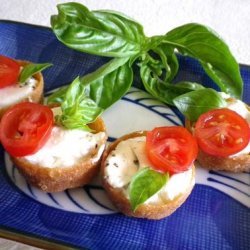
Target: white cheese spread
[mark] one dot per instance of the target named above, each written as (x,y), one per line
(239,107)
(65,148)
(128,158)
(15,93)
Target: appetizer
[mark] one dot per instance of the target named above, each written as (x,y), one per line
(150,174)
(50,146)
(223,136)
(20,81)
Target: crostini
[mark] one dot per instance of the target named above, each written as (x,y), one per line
(12,89)
(223,136)
(149,174)
(58,147)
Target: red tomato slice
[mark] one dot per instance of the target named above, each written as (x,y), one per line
(25,128)
(171,149)
(9,71)
(222,132)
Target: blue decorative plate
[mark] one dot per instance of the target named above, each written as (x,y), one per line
(215,216)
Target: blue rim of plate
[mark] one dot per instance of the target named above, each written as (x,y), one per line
(205,219)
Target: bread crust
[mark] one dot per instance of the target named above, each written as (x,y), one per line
(235,164)
(122,203)
(36,95)
(60,178)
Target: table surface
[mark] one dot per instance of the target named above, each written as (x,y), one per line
(230,19)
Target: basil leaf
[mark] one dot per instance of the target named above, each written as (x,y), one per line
(169,60)
(164,91)
(109,88)
(31,69)
(197,102)
(144,185)
(104,86)
(98,32)
(77,108)
(202,43)
(188,86)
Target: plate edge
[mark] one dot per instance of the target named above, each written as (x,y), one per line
(33,240)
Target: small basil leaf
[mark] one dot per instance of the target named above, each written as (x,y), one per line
(202,43)
(174,66)
(98,32)
(78,109)
(31,69)
(197,102)
(144,185)
(71,123)
(164,91)
(169,60)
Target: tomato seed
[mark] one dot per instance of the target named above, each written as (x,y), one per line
(221,117)
(239,141)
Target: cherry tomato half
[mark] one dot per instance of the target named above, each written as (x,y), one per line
(171,149)
(222,132)
(25,128)
(9,71)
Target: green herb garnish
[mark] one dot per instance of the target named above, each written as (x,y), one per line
(144,184)
(106,33)
(31,69)
(195,103)
(78,109)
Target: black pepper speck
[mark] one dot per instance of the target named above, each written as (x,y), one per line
(116,165)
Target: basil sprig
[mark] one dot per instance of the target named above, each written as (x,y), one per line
(31,69)
(110,34)
(144,184)
(77,109)
(87,97)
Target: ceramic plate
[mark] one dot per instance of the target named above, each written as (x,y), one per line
(215,216)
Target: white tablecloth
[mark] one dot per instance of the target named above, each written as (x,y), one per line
(229,18)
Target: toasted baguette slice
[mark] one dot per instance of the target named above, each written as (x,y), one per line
(236,164)
(122,203)
(36,95)
(61,178)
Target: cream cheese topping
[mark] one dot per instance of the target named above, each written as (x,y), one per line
(15,93)
(65,147)
(128,158)
(241,108)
